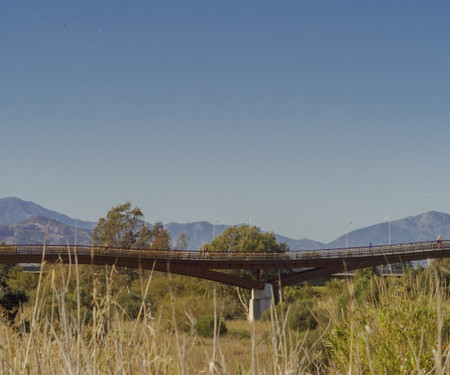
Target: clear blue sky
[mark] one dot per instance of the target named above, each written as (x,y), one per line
(305,115)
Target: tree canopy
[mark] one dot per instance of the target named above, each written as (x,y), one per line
(124,227)
(246,238)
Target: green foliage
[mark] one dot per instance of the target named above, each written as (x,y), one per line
(391,325)
(187,298)
(25,282)
(160,237)
(365,284)
(333,289)
(363,287)
(245,238)
(442,267)
(305,291)
(10,299)
(130,302)
(96,283)
(205,326)
(396,334)
(301,317)
(239,334)
(124,227)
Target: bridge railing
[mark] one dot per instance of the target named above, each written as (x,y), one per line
(349,252)
(379,250)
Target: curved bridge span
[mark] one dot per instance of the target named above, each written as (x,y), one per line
(303,265)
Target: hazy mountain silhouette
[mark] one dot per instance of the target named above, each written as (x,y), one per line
(14,210)
(424,227)
(198,233)
(24,222)
(36,229)
(201,232)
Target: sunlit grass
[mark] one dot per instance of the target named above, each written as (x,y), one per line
(404,329)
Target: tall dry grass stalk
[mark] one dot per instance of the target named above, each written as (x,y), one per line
(61,339)
(404,330)
(399,331)
(292,352)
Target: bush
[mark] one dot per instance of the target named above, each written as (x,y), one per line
(239,334)
(300,317)
(205,326)
(303,315)
(130,303)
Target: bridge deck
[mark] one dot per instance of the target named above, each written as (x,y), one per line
(314,263)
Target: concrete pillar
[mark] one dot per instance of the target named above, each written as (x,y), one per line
(260,301)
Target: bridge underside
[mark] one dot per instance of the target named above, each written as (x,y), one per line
(209,268)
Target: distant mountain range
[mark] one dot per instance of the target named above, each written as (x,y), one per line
(37,228)
(14,210)
(24,222)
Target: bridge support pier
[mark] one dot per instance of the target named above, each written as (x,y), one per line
(260,301)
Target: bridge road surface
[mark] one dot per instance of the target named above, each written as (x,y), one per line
(304,265)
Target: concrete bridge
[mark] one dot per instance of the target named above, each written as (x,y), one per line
(301,265)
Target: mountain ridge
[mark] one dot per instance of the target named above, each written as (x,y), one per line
(38,229)
(27,222)
(14,210)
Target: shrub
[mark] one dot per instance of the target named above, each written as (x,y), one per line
(300,317)
(205,326)
(130,303)
(239,334)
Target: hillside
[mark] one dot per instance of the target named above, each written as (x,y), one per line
(34,230)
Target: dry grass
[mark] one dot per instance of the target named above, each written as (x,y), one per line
(59,340)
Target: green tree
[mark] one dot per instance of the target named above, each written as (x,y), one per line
(160,237)
(245,238)
(124,227)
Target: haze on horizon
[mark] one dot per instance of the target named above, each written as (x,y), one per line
(301,116)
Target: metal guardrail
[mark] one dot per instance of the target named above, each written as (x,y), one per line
(337,253)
